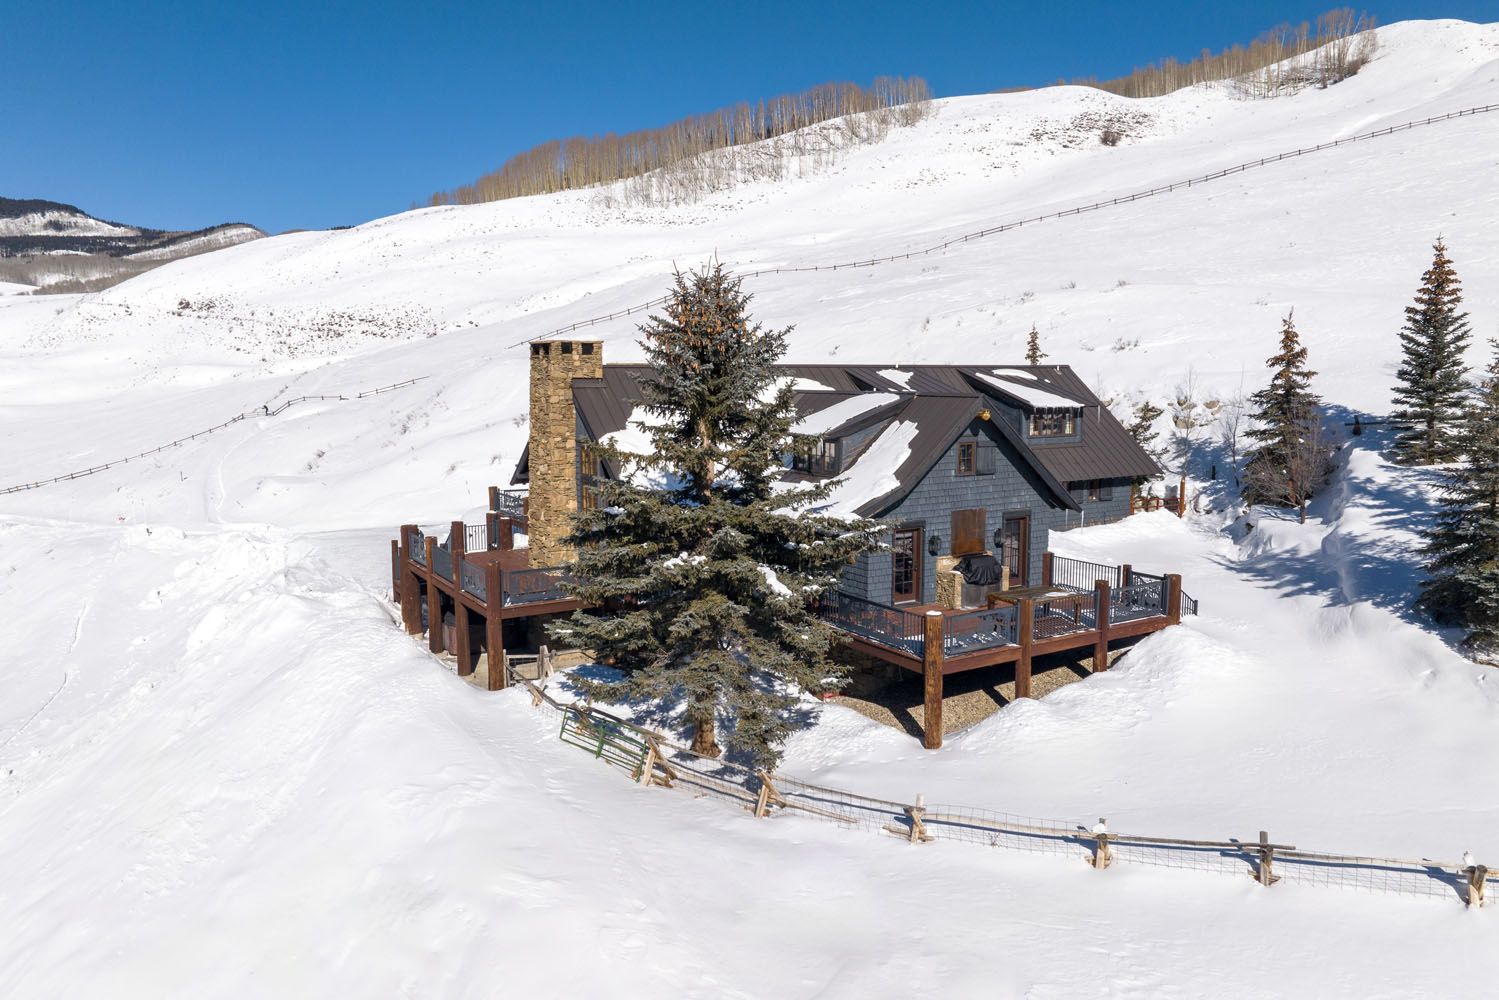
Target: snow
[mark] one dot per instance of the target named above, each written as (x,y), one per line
(1030,394)
(773,581)
(226,771)
(873,475)
(900,378)
(842,412)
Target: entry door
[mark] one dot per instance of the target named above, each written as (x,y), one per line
(1015,547)
(905,579)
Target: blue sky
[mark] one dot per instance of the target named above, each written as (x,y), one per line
(316,114)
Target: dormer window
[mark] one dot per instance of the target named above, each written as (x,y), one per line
(1053,423)
(815,457)
(966,450)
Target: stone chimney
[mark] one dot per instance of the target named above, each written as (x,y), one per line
(554,443)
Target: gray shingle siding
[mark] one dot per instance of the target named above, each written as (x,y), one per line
(1013,488)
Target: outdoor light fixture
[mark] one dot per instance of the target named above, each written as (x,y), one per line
(934,545)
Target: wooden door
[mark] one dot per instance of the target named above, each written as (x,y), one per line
(1015,547)
(905,555)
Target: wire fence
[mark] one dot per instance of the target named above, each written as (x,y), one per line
(979,234)
(765,794)
(263,411)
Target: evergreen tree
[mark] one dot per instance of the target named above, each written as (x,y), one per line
(1033,353)
(1289,458)
(703,578)
(1432,376)
(1463,542)
(1142,429)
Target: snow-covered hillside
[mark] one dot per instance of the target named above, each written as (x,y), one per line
(225,771)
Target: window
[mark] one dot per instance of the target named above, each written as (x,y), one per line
(1053,423)
(815,456)
(905,580)
(966,451)
(1091,490)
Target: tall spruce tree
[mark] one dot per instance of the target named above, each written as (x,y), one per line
(1433,378)
(1463,542)
(1289,459)
(707,576)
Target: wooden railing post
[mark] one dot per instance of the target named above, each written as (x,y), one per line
(492,530)
(1124,572)
(1026,620)
(494,498)
(1266,873)
(1174,598)
(931,669)
(494,625)
(1046,578)
(1477,875)
(507,534)
(458,543)
(1101,618)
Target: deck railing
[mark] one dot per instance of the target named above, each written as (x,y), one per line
(442,562)
(1080,575)
(983,629)
(879,623)
(418,545)
(476,538)
(507,503)
(532,586)
(471,579)
(1144,599)
(1057,616)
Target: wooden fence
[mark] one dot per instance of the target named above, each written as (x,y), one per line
(263,411)
(958,240)
(651,759)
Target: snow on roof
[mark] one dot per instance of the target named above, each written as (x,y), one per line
(873,475)
(900,378)
(842,412)
(797,383)
(1032,395)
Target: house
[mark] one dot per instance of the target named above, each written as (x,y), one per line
(965,461)
(973,466)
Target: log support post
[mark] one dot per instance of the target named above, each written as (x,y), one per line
(506,534)
(457,542)
(1046,579)
(395,570)
(1101,617)
(410,590)
(1476,875)
(1174,598)
(434,601)
(931,670)
(494,626)
(492,530)
(1026,614)
(461,640)
(1124,572)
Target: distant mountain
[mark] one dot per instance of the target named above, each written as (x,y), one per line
(59,247)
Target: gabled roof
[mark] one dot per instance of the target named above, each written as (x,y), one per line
(923,409)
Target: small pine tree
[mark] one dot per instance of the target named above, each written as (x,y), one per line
(1033,355)
(1289,458)
(703,579)
(1142,429)
(1433,378)
(1463,541)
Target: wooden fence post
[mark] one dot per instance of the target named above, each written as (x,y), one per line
(1266,874)
(1174,598)
(1026,612)
(1102,857)
(917,815)
(1101,618)
(492,530)
(507,534)
(494,626)
(931,670)
(1477,876)
(1046,579)
(1124,572)
(494,498)
(456,541)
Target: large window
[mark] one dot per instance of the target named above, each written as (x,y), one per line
(815,456)
(1053,423)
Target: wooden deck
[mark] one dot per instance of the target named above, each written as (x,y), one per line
(482,590)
